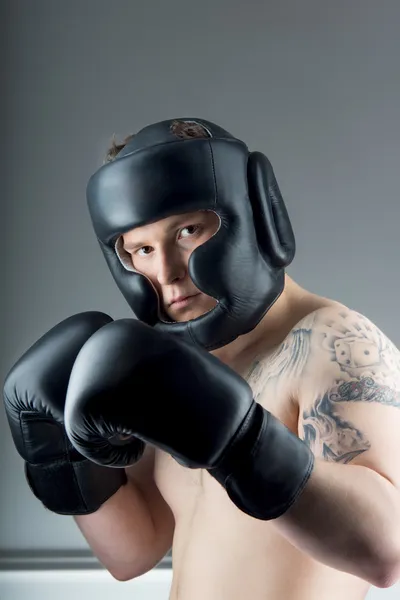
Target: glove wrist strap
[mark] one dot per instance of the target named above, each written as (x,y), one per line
(267,467)
(73,487)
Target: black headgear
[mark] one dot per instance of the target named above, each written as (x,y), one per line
(159,174)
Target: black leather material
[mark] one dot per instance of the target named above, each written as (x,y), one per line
(131,379)
(242,266)
(267,467)
(34,396)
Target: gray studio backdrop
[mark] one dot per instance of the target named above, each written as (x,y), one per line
(315,85)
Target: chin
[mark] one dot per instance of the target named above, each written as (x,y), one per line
(191,313)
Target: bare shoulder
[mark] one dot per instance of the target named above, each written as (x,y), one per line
(344,385)
(347,343)
(349,398)
(284,366)
(331,343)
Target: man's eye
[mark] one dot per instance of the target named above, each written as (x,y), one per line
(143,248)
(191,229)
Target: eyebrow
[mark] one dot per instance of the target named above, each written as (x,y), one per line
(132,246)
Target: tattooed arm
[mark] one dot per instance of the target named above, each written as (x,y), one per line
(348,515)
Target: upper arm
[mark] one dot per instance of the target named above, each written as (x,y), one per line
(142,475)
(350,403)
(142,472)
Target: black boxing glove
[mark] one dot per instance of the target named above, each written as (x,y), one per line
(34,395)
(134,380)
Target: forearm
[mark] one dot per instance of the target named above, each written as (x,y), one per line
(347,517)
(123,535)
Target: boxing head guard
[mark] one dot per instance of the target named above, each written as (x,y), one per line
(159,174)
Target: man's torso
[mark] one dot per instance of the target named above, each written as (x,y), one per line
(218,551)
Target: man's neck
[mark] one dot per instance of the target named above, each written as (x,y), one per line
(273,327)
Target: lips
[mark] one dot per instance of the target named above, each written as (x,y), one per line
(181,298)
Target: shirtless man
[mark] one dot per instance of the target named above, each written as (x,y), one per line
(321,369)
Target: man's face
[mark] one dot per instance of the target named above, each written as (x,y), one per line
(161,252)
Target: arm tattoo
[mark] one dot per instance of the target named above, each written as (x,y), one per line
(368,370)
(337,439)
(287,361)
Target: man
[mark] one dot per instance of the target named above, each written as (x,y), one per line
(322,370)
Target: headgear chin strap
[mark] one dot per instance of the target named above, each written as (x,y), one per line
(158,174)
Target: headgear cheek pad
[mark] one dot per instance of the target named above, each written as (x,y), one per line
(157,175)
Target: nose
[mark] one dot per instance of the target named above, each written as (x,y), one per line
(171,267)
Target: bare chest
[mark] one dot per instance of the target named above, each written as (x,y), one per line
(183,488)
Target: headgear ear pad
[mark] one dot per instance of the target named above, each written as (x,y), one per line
(158,174)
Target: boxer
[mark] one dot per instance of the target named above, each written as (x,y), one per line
(255,422)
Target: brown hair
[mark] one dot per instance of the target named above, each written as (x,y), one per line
(182,129)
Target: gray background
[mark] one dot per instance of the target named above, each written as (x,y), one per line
(314,84)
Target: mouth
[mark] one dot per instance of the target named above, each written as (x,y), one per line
(183,301)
